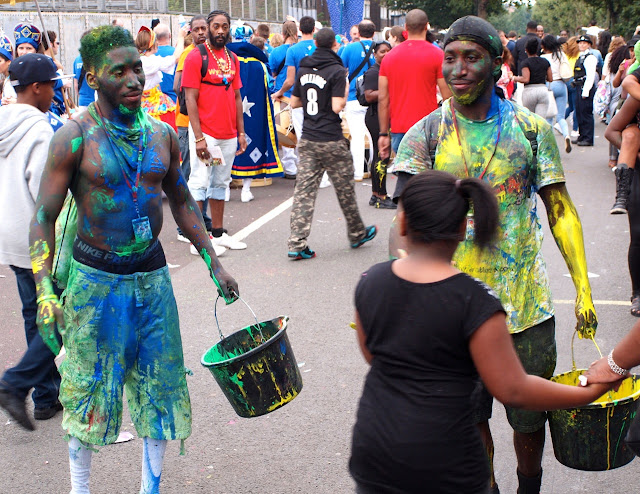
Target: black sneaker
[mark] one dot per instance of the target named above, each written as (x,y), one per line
(373,201)
(306,253)
(16,409)
(369,234)
(386,203)
(47,413)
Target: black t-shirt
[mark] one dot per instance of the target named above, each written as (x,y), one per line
(414,426)
(537,69)
(520,49)
(318,79)
(371,83)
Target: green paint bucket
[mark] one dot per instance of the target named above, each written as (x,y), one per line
(591,437)
(255,367)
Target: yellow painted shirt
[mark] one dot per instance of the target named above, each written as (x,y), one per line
(514,266)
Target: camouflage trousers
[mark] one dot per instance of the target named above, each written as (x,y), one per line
(335,158)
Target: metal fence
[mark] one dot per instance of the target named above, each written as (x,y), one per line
(253,10)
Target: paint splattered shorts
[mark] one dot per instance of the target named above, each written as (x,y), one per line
(536,348)
(122,332)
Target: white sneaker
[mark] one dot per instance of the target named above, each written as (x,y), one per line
(557,127)
(182,238)
(575,133)
(246,195)
(228,242)
(325,182)
(227,195)
(218,249)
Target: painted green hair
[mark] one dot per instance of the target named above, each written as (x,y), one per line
(99,41)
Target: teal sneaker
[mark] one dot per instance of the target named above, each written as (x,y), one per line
(369,234)
(306,253)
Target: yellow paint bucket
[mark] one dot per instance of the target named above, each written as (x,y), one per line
(591,437)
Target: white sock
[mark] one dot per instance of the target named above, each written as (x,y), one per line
(152,459)
(246,183)
(79,466)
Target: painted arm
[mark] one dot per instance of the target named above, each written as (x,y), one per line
(501,371)
(567,231)
(242,140)
(188,217)
(384,142)
(64,153)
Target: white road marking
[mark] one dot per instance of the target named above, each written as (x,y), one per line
(263,220)
(596,302)
(589,275)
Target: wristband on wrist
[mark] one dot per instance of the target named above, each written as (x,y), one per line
(383,134)
(46,298)
(199,140)
(615,367)
(241,134)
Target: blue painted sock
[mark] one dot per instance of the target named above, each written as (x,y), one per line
(152,459)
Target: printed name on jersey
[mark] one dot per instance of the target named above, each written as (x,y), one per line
(314,79)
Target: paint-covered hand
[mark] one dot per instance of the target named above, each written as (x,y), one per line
(50,314)
(587,321)
(242,144)
(227,286)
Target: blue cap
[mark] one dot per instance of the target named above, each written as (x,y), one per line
(27,33)
(6,48)
(242,33)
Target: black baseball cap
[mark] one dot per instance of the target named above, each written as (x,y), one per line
(585,38)
(33,67)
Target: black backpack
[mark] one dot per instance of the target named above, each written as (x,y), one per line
(203,72)
(360,91)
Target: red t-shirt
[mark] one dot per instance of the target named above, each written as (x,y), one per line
(411,69)
(216,104)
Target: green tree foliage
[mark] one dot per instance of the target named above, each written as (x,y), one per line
(512,19)
(443,12)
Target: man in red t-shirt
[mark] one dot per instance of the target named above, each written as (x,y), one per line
(216,125)
(409,75)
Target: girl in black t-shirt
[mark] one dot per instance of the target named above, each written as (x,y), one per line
(428,330)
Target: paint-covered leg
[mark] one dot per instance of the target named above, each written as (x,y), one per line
(152,459)
(79,466)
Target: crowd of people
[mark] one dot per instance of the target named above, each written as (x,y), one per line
(463,314)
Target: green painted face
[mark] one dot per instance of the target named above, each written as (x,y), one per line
(121,79)
(468,70)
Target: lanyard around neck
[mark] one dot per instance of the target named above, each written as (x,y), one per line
(495,148)
(142,144)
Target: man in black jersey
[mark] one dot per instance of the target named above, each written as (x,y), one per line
(321,90)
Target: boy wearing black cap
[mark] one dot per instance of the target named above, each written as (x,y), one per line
(25,135)
(584,78)
(478,133)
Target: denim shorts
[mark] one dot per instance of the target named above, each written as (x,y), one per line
(122,333)
(536,348)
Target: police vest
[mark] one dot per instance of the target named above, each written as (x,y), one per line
(579,72)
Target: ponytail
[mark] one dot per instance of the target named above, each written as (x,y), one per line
(436,203)
(485,209)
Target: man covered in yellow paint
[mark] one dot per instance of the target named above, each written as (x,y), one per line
(478,133)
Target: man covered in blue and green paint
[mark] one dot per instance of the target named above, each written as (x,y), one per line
(118,316)
(479,134)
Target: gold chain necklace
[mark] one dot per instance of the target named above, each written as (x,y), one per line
(224,66)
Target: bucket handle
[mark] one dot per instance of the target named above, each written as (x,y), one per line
(215,315)
(573,358)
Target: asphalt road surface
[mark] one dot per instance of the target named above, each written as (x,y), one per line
(304,446)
